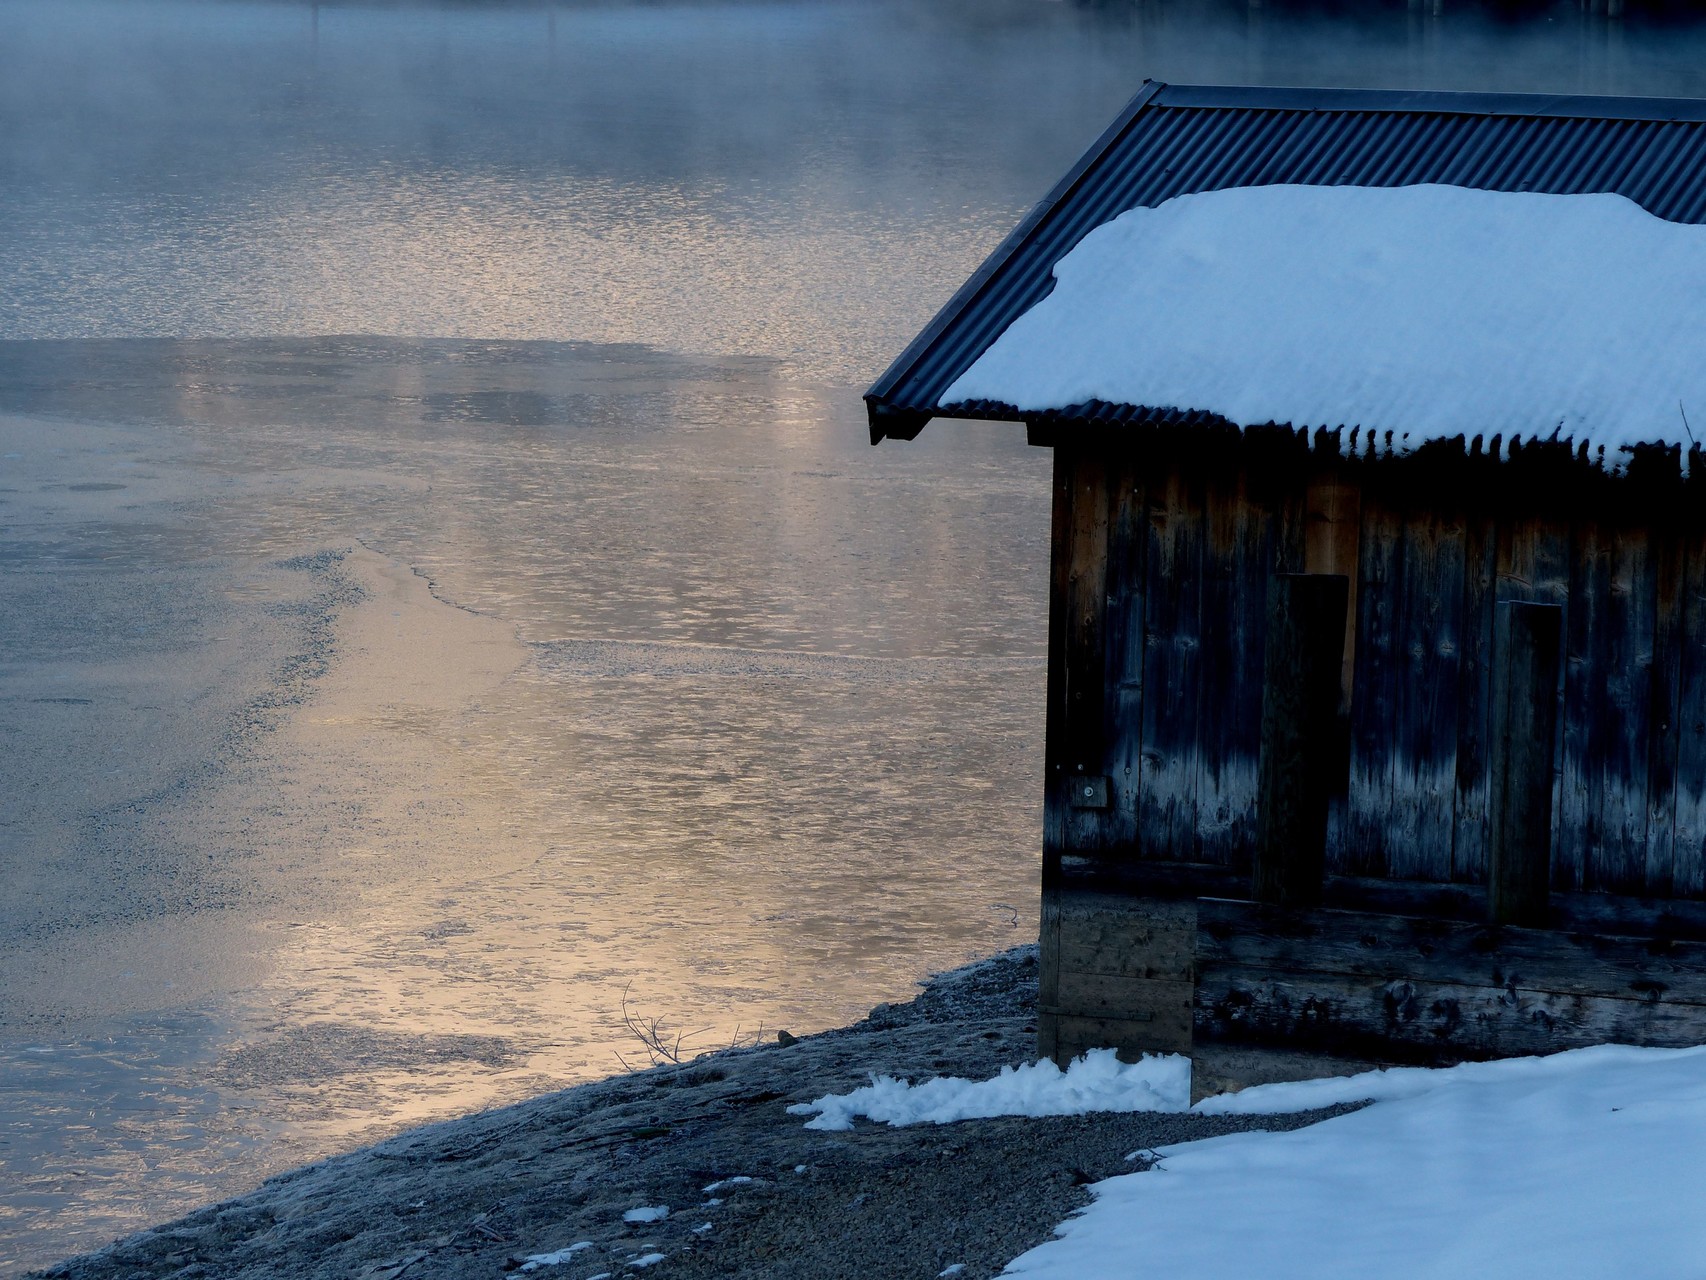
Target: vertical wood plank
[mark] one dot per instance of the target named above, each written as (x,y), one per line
(1664,716)
(1688,851)
(1607,698)
(1123,677)
(1048,973)
(1580,766)
(1331,510)
(1055,806)
(1474,674)
(1525,680)
(1429,623)
(1300,704)
(1085,743)
(1374,705)
(1173,627)
(1534,566)
(1533,561)
(1623,725)
(1235,574)
(1332,540)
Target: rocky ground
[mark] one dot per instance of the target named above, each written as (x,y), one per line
(481,1195)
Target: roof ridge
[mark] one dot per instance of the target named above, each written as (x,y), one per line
(1446,101)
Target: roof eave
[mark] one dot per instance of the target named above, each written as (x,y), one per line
(883,387)
(906,396)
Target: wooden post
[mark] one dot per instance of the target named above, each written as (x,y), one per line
(1332,543)
(1527,641)
(1300,702)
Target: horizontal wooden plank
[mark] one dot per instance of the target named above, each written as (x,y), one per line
(1617,914)
(1108,957)
(1629,917)
(1121,975)
(1425,1022)
(1100,995)
(1378,949)
(1114,876)
(1074,1036)
(1125,937)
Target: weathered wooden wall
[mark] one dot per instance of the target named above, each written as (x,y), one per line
(1401,989)
(1178,975)
(1164,543)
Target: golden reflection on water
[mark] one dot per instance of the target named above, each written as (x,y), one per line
(708,705)
(458,252)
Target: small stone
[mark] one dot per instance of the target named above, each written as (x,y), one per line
(785,1039)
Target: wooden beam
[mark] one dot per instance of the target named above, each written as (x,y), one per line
(1332,538)
(1118,974)
(1300,703)
(1055,809)
(1127,560)
(1657,920)
(1426,1023)
(1397,989)
(1525,709)
(1168,816)
(1380,948)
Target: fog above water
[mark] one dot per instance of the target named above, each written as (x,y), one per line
(799,180)
(768,744)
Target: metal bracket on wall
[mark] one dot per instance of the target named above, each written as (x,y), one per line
(1086,792)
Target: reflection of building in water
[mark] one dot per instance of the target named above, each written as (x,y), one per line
(1377,666)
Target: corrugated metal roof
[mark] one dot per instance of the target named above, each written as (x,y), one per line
(1181,139)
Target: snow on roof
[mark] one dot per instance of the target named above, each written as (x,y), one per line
(1427,311)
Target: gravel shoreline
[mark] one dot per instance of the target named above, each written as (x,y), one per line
(477,1196)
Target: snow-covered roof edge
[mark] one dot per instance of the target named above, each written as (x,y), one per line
(1178,139)
(1413,314)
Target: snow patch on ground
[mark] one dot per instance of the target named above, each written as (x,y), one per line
(1428,311)
(723,1184)
(556,1258)
(1098,1081)
(647,1213)
(1566,1167)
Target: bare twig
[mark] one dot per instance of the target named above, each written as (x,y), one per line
(664,1046)
(660,1046)
(748,1040)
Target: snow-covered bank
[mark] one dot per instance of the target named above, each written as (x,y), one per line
(1580,1164)
(1426,311)
(1576,1165)
(1098,1081)
(572,1184)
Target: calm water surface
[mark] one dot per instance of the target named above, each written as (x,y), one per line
(771,749)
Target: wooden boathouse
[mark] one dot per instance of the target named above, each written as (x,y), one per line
(1383,746)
